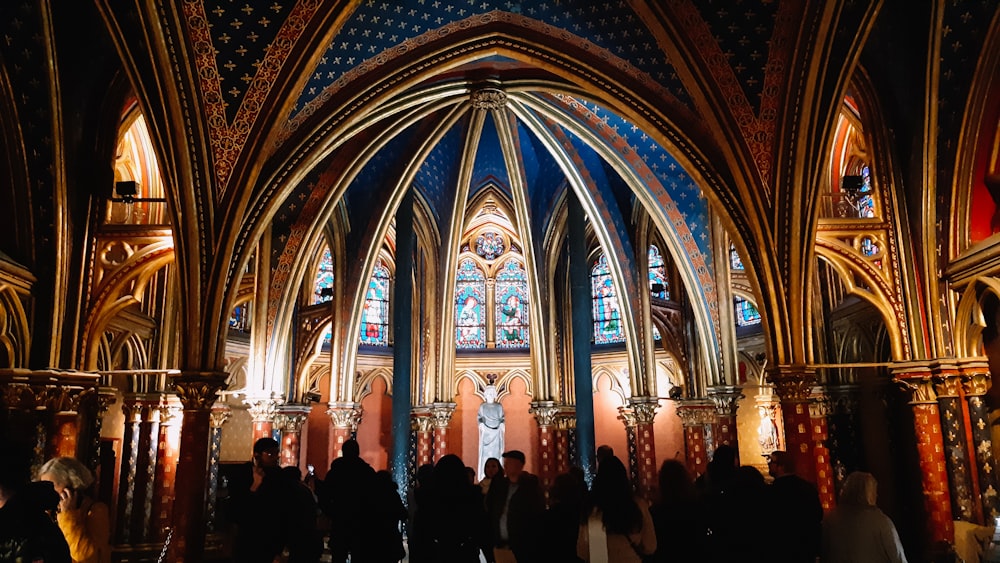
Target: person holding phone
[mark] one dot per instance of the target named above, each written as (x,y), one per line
(257,499)
(84,522)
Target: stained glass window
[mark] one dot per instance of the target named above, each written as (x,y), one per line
(489,245)
(657,274)
(470,314)
(735,262)
(746,313)
(375,318)
(869,247)
(866,204)
(512,306)
(324,278)
(239,319)
(607,316)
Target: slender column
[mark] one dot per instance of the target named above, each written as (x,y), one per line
(565,420)
(441,415)
(930,449)
(218,417)
(197,391)
(345,418)
(819,410)
(695,415)
(954,434)
(644,411)
(546,413)
(402,347)
(423,426)
(582,332)
(139,456)
(289,421)
(262,411)
(627,416)
(842,425)
(166,468)
(975,383)
(793,385)
(726,400)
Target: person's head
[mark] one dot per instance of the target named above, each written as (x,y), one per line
(675,482)
(567,489)
(492,468)
(266,452)
(748,479)
(513,464)
(292,473)
(470,474)
(449,473)
(780,463)
(860,489)
(604,452)
(612,494)
(424,475)
(350,448)
(66,473)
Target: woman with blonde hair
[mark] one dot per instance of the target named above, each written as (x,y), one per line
(857,531)
(84,522)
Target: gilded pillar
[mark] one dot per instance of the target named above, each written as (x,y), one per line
(345,418)
(166,468)
(197,391)
(423,426)
(219,415)
(546,413)
(793,385)
(819,411)
(139,457)
(975,383)
(930,449)
(695,415)
(726,400)
(955,436)
(644,412)
(441,415)
(289,421)
(263,411)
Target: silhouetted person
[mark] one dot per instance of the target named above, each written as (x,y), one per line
(305,543)
(742,519)
(617,527)
(857,531)
(604,451)
(797,512)
(257,495)
(418,540)
(453,515)
(719,473)
(561,523)
(387,511)
(27,533)
(678,516)
(515,505)
(346,492)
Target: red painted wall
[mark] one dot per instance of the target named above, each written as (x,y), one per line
(607,428)
(375,430)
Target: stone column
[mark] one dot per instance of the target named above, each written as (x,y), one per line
(166,468)
(564,452)
(218,417)
(954,434)
(345,418)
(930,449)
(546,413)
(694,415)
(627,415)
(263,411)
(139,457)
(644,412)
(726,400)
(423,426)
(819,409)
(975,384)
(197,391)
(289,421)
(793,385)
(846,447)
(441,415)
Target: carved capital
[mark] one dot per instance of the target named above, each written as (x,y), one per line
(441,414)
(793,385)
(219,415)
(546,412)
(262,409)
(422,423)
(627,416)
(169,413)
(290,422)
(947,385)
(644,409)
(975,384)
(105,398)
(921,389)
(726,399)
(345,415)
(820,405)
(198,390)
(695,412)
(566,420)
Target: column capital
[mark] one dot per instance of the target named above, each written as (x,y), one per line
(695,412)
(566,420)
(421,421)
(726,398)
(199,389)
(820,403)
(627,416)
(976,378)
(644,409)
(441,414)
(546,412)
(263,409)
(947,385)
(219,415)
(793,383)
(291,418)
(345,415)
(921,388)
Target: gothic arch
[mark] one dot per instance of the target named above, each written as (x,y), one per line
(970,317)
(15,336)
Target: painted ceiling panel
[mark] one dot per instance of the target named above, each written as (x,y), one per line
(367,194)
(378,25)
(438,174)
(490,165)
(547,184)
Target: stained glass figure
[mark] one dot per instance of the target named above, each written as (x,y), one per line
(375,318)
(470,297)
(735,262)
(324,278)
(489,245)
(657,273)
(869,247)
(512,306)
(607,316)
(866,203)
(239,319)
(746,313)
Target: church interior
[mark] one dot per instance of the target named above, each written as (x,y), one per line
(660,226)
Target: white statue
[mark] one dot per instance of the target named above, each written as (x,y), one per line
(491,428)
(767,431)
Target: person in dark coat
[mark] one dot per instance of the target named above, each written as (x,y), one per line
(257,496)
(515,505)
(453,515)
(347,492)
(561,522)
(305,543)
(387,512)
(418,539)
(27,533)
(679,517)
(797,512)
